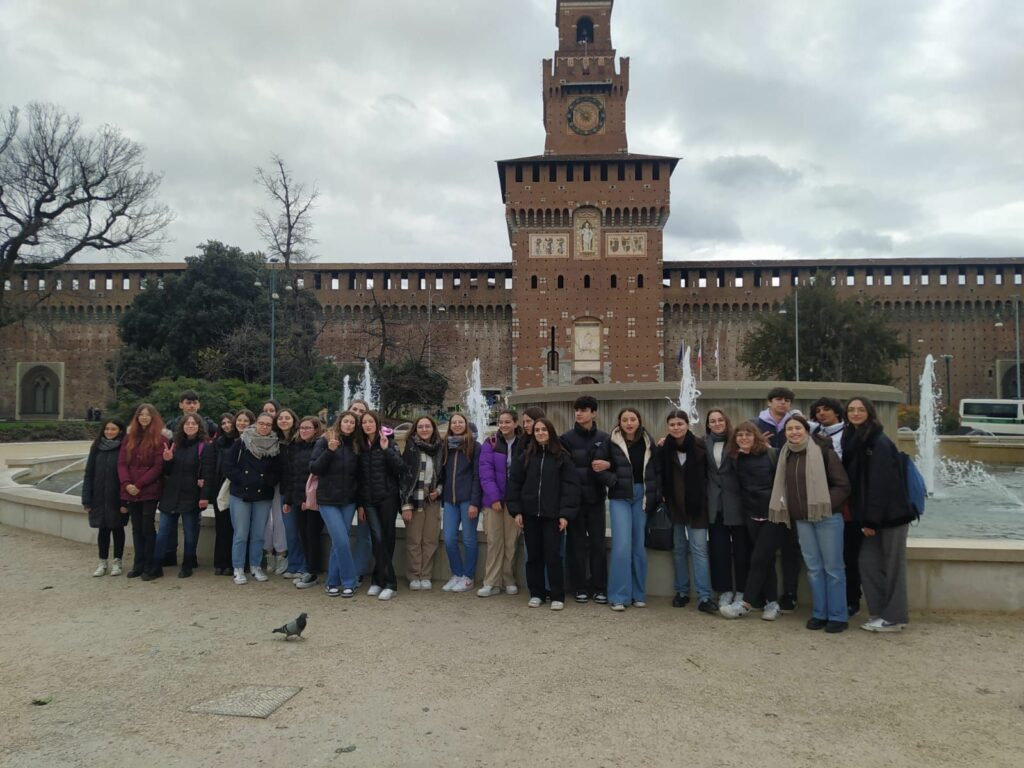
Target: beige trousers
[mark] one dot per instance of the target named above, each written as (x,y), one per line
(421,537)
(502,536)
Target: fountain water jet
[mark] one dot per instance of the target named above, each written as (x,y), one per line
(688,392)
(346,392)
(927,431)
(477,408)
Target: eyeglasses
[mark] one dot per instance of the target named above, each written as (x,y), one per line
(306,426)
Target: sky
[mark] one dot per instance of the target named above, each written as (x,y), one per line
(807,129)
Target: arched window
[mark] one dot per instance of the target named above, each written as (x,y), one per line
(533,281)
(586,281)
(614,282)
(639,281)
(561,282)
(584,30)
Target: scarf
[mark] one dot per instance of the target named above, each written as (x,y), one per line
(259,446)
(424,447)
(714,440)
(425,478)
(819,502)
(106,444)
(455,442)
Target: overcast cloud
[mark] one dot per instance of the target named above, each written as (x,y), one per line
(807,129)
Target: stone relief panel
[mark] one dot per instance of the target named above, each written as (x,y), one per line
(588,233)
(626,244)
(549,246)
(586,347)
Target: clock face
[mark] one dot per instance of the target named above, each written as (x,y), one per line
(586,115)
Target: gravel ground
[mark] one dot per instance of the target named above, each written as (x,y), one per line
(437,679)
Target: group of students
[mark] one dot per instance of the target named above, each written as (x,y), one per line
(827,491)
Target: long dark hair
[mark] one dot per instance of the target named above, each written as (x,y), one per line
(553,446)
(295,425)
(149,438)
(179,433)
(117,423)
(728,424)
(468,446)
(872,426)
(361,435)
(220,429)
(640,423)
(318,427)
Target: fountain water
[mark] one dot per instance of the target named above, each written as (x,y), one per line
(688,392)
(477,407)
(346,392)
(927,430)
(367,389)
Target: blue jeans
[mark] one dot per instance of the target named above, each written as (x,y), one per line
(627,571)
(362,548)
(692,541)
(341,567)
(248,518)
(167,536)
(296,555)
(822,546)
(454,515)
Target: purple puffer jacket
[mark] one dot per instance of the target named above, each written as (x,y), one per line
(493,466)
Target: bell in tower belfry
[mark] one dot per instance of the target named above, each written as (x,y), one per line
(584,92)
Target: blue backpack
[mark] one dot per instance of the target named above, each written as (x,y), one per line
(913,484)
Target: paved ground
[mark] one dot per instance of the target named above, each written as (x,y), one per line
(437,679)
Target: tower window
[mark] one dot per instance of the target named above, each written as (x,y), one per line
(552,173)
(586,172)
(536,173)
(604,171)
(569,172)
(614,282)
(533,281)
(584,30)
(519,174)
(561,281)
(586,281)
(639,281)
(656,171)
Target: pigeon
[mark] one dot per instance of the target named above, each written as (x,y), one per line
(293,627)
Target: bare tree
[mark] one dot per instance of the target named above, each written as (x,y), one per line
(286,227)
(64,192)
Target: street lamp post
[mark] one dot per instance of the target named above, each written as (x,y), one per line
(796,326)
(274,296)
(1016,331)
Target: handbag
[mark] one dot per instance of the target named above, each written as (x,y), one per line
(224,495)
(312,483)
(658,529)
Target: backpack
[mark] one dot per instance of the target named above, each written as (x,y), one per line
(913,484)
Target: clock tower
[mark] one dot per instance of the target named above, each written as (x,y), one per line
(585,222)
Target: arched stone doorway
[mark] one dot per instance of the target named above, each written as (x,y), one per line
(587,380)
(1009,383)
(40,394)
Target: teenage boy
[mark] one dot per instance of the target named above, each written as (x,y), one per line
(189,404)
(828,422)
(772,423)
(586,542)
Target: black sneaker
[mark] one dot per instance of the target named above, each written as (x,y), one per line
(787,603)
(601,598)
(134,573)
(835,627)
(813,623)
(151,575)
(853,609)
(582,597)
(185,572)
(707,606)
(680,600)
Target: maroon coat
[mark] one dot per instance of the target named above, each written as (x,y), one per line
(145,470)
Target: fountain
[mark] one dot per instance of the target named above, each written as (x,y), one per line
(927,430)
(367,389)
(346,393)
(688,392)
(477,407)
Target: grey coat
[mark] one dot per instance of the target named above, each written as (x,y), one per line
(723,490)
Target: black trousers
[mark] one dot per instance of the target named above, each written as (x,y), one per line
(103,539)
(143,516)
(311,530)
(541,535)
(852,538)
(586,546)
(729,550)
(224,532)
(762,582)
(792,559)
(381,517)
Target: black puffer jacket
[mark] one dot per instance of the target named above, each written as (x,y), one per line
(295,472)
(101,488)
(755,474)
(337,472)
(252,479)
(182,474)
(684,488)
(542,484)
(582,444)
(380,473)
(878,497)
(619,479)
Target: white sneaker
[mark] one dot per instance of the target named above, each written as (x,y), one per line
(374,591)
(557,605)
(101,569)
(878,624)
(465,584)
(618,607)
(414,585)
(639,604)
(771,611)
(282,565)
(426,585)
(487,591)
(386,594)
(271,559)
(511,589)
(535,602)
(734,610)
(258,574)
(240,576)
(725,599)
(450,584)
(291,575)
(115,568)
(738,597)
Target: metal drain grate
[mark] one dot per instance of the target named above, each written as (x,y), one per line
(250,701)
